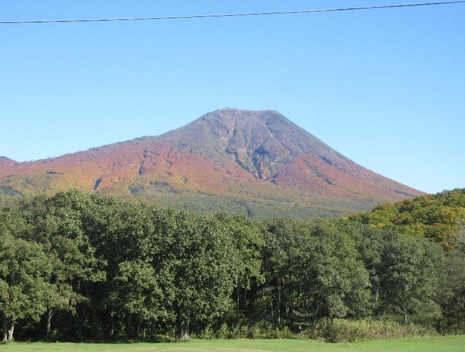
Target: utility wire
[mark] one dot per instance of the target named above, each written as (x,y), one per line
(234,14)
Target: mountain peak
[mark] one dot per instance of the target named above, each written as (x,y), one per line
(260,141)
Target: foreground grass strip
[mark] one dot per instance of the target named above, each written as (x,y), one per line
(423,344)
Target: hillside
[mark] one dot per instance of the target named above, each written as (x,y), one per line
(256,163)
(439,217)
(4,161)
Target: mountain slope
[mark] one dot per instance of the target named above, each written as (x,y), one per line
(252,162)
(4,161)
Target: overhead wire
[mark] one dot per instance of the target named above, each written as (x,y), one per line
(160,18)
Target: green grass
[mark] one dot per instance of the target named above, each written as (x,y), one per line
(423,344)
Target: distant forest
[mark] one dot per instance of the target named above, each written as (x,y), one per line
(78,267)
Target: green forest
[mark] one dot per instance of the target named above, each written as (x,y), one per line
(78,267)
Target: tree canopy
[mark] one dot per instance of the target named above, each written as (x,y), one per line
(76,266)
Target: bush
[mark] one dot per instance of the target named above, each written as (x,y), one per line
(342,330)
(161,338)
(260,330)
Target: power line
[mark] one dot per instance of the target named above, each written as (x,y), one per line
(234,14)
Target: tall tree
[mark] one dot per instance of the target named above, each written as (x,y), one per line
(57,226)
(336,276)
(138,294)
(316,271)
(131,248)
(409,275)
(451,295)
(24,286)
(197,255)
(246,256)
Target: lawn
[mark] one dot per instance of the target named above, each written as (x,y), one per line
(423,344)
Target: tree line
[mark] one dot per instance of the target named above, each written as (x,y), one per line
(88,267)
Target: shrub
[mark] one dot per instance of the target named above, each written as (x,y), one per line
(342,330)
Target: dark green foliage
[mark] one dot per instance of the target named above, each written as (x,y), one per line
(409,275)
(451,295)
(79,267)
(313,271)
(24,287)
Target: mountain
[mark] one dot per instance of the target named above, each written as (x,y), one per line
(256,163)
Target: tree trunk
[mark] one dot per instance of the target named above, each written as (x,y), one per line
(50,313)
(129,328)
(11,331)
(112,324)
(237,300)
(279,303)
(139,324)
(5,330)
(405,318)
(271,308)
(183,327)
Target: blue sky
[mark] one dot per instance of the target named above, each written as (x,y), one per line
(385,88)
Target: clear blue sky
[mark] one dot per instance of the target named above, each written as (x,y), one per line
(386,88)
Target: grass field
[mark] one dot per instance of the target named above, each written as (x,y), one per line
(423,344)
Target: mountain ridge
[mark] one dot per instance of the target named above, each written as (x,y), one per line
(257,163)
